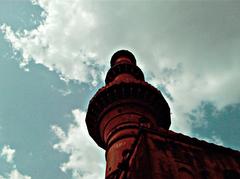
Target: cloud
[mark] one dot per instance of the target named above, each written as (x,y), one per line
(58,49)
(85,158)
(8,153)
(15,174)
(190,48)
(63,92)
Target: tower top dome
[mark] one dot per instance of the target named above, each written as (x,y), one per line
(122,54)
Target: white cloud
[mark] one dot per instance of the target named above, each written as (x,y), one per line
(63,92)
(86,160)
(8,153)
(15,174)
(59,49)
(191,48)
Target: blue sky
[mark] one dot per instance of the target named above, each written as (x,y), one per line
(54,56)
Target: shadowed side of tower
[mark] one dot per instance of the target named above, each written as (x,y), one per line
(119,112)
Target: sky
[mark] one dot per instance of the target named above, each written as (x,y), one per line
(54,55)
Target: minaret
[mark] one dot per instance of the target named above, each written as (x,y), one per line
(119,111)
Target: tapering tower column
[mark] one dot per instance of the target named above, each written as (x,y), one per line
(120,109)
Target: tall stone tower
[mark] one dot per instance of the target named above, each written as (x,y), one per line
(130,119)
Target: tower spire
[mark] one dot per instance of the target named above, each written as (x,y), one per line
(123,68)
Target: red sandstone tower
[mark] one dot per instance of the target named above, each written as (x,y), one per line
(130,119)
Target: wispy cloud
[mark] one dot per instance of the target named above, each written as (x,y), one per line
(8,153)
(64,92)
(15,174)
(85,158)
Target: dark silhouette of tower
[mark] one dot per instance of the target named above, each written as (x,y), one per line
(130,119)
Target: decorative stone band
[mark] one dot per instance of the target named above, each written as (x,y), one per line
(136,92)
(124,68)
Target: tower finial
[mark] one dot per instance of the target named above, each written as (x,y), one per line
(123,63)
(125,55)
